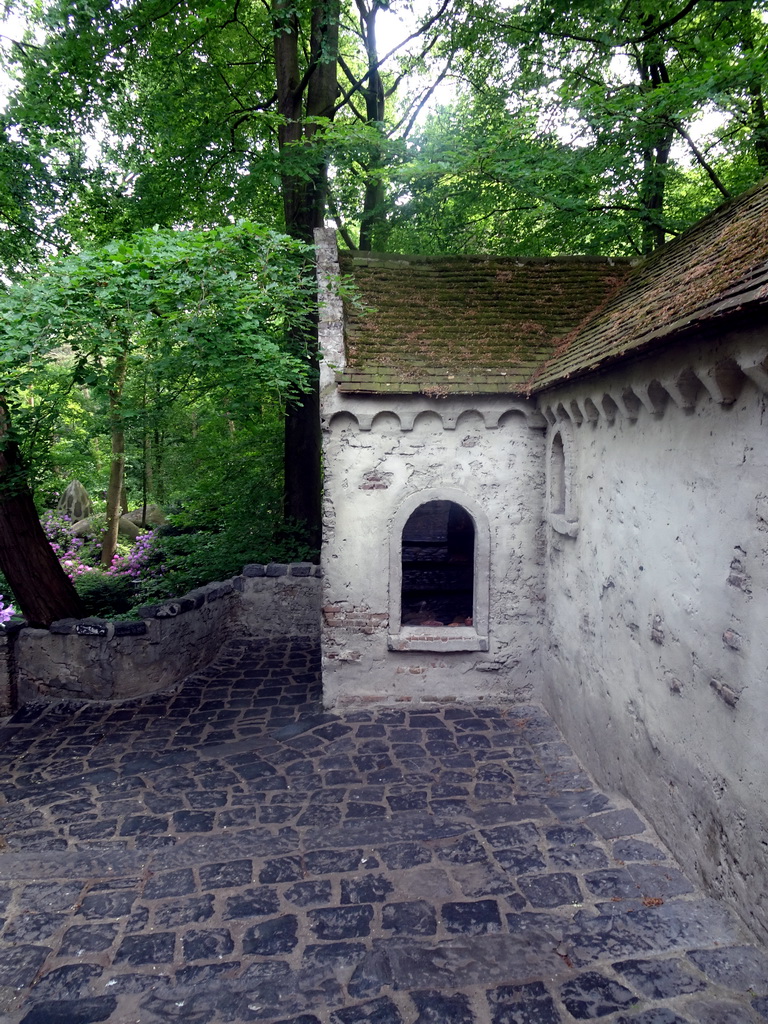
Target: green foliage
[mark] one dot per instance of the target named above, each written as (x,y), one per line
(202,319)
(36,187)
(62,437)
(199,314)
(485,180)
(578,128)
(181,105)
(105,596)
(192,307)
(192,559)
(225,491)
(576,121)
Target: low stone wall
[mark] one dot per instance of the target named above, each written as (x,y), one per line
(102,660)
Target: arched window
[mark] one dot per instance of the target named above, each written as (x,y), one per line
(561,510)
(557,475)
(438,559)
(439,573)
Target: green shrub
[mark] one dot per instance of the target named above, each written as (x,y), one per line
(105,596)
(191,558)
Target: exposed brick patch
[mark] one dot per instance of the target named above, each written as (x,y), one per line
(375,481)
(359,618)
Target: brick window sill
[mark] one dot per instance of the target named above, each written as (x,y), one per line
(437,638)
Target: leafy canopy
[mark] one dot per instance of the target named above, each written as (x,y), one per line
(195,313)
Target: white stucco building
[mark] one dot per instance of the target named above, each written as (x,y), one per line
(548,480)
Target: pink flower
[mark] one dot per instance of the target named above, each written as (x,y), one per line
(7,611)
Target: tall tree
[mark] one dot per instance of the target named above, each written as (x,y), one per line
(42,589)
(198,113)
(585,122)
(194,313)
(306,98)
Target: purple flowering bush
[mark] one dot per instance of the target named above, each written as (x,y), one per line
(73,552)
(135,564)
(105,592)
(7,611)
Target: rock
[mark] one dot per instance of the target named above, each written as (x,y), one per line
(94,627)
(75,502)
(155,516)
(63,626)
(127,529)
(169,610)
(130,628)
(83,528)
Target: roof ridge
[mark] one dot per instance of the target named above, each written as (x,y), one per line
(375,257)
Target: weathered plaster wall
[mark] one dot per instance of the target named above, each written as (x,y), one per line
(102,660)
(382,457)
(656,656)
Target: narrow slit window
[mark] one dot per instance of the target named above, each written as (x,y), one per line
(438,562)
(557,476)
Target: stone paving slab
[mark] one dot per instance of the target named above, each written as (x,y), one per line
(229,852)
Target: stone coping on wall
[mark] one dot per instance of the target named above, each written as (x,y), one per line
(101,659)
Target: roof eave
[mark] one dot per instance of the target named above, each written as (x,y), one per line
(705,322)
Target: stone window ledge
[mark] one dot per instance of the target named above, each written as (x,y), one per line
(437,638)
(558,522)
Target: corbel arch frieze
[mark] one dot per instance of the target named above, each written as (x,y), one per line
(756,369)
(365,412)
(653,396)
(723,380)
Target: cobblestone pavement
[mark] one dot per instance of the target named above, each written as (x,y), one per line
(228,852)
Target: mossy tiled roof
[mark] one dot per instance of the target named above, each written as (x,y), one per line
(716,268)
(441,325)
(467,325)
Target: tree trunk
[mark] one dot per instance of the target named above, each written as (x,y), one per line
(117,467)
(373,216)
(759,123)
(304,200)
(759,127)
(657,142)
(302,499)
(41,588)
(289,106)
(146,474)
(155,479)
(652,192)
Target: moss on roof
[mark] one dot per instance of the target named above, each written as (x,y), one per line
(468,325)
(716,267)
(441,325)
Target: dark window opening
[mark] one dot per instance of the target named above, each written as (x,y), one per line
(438,566)
(557,476)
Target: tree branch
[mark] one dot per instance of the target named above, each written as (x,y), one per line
(420,104)
(343,231)
(425,50)
(346,97)
(700,159)
(663,25)
(20,45)
(358,85)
